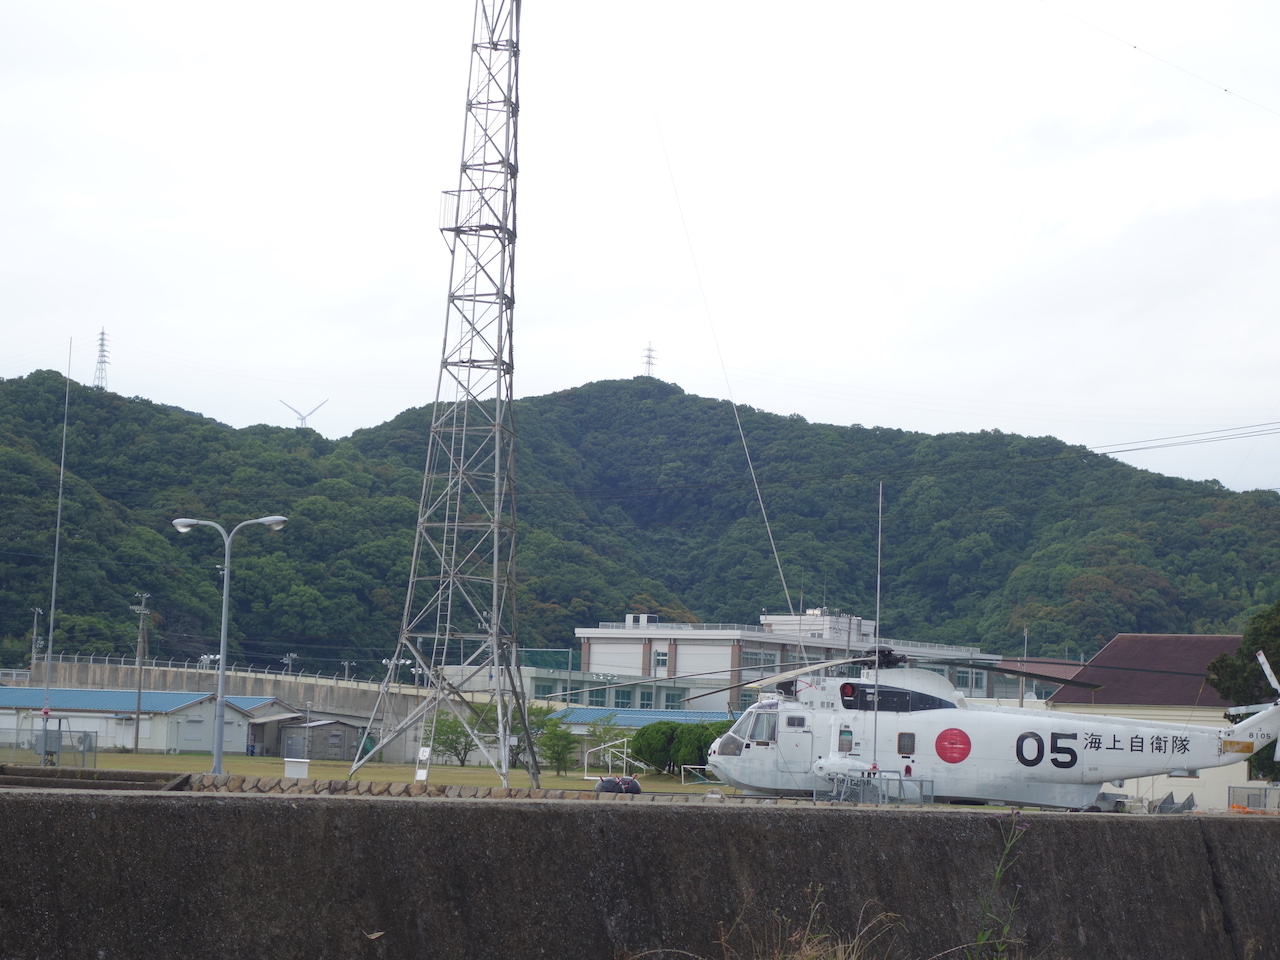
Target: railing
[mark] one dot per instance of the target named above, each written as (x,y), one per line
(881,789)
(205,665)
(610,754)
(693,773)
(664,627)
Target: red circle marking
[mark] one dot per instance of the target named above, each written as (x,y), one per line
(953,745)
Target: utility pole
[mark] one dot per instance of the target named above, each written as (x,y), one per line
(37,613)
(287,660)
(143,616)
(346,669)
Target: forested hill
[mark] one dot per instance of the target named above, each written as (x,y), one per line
(632,497)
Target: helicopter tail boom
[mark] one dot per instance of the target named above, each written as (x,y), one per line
(1254,734)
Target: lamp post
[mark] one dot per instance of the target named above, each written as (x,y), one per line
(396,663)
(185,525)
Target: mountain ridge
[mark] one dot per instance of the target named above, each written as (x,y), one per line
(632,496)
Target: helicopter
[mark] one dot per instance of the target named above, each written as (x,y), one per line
(901,728)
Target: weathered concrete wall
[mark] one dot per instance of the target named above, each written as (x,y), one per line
(219,875)
(327,695)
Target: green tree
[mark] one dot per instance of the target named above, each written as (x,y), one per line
(452,738)
(537,718)
(653,743)
(1238,677)
(557,746)
(692,741)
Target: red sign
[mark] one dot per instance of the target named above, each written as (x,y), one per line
(953,745)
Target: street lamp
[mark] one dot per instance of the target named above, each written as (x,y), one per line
(185,525)
(395,663)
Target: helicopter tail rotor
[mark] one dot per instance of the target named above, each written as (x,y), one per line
(1271,679)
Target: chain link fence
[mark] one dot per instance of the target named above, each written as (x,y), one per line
(52,748)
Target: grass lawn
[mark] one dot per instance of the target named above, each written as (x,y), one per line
(444,774)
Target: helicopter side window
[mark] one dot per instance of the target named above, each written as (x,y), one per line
(927,701)
(797,721)
(765,727)
(906,744)
(845,743)
(890,699)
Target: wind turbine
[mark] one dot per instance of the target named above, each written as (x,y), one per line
(302,417)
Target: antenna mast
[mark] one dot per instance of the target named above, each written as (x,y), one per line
(100,371)
(460,605)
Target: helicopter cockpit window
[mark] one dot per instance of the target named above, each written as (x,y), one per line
(889,699)
(742,725)
(765,727)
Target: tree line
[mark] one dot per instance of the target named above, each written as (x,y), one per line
(632,496)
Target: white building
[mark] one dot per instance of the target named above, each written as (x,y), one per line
(170,721)
(644,664)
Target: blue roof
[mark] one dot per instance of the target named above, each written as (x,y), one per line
(637,718)
(106,701)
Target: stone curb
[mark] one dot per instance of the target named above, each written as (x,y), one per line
(293,786)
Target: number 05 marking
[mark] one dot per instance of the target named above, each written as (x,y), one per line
(1062,756)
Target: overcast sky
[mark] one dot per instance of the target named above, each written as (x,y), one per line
(1044,218)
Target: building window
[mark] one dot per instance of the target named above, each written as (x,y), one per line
(646,699)
(596,697)
(571,694)
(622,699)
(543,691)
(659,659)
(971,681)
(672,700)
(758,658)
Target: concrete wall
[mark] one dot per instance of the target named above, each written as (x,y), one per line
(327,695)
(215,875)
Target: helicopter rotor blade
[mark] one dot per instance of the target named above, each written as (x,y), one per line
(1009,671)
(1251,708)
(1266,668)
(780,677)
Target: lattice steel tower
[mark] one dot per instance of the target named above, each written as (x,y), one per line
(100,371)
(460,603)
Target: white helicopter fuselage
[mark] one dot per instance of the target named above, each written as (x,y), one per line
(923,730)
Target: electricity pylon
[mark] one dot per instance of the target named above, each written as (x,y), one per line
(100,371)
(459,611)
